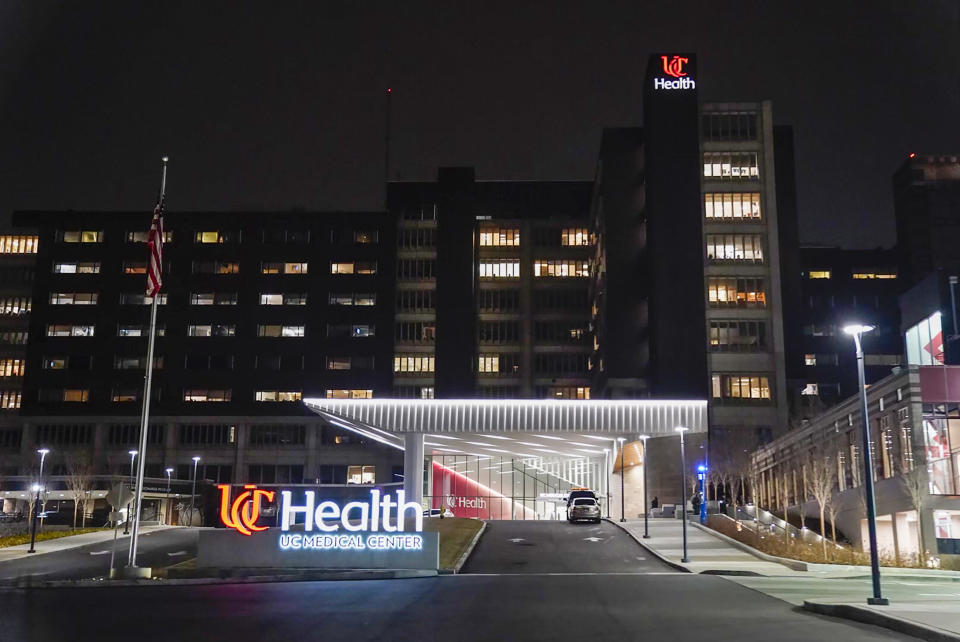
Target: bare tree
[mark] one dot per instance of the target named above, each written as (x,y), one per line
(833,511)
(916,483)
(79,478)
(822,474)
(785,502)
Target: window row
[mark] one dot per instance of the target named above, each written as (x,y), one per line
(507,363)
(15,306)
(415,332)
(416,268)
(217,330)
(728,291)
(565,300)
(558,331)
(560,363)
(499,300)
(738,336)
(12,367)
(413,363)
(729,126)
(732,207)
(498,331)
(18,244)
(745,248)
(415,300)
(731,166)
(413,238)
(561,268)
(350,363)
(741,387)
(500,237)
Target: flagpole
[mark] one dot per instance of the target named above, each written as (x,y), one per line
(145,413)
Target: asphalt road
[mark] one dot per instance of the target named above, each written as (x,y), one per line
(161,548)
(551,598)
(559,547)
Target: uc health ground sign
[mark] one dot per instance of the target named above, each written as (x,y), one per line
(381,533)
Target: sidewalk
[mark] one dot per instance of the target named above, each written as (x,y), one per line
(73,541)
(706,552)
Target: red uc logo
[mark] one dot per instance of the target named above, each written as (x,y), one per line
(674,66)
(242,514)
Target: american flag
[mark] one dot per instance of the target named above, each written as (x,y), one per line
(155,247)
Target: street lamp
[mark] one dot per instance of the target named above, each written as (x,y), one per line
(683,490)
(646,507)
(606,462)
(126,523)
(623,516)
(856,330)
(169,472)
(193,492)
(36,502)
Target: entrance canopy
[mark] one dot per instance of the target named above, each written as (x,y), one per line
(519,427)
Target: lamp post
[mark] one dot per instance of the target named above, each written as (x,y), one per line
(169,472)
(623,516)
(126,523)
(606,462)
(646,507)
(193,491)
(683,490)
(856,331)
(36,502)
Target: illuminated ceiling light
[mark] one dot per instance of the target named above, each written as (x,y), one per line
(443,437)
(597,437)
(549,437)
(498,437)
(497,450)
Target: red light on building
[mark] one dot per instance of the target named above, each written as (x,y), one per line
(913,154)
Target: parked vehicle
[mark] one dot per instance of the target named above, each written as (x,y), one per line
(579,492)
(584,508)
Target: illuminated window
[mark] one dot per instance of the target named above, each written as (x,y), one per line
(724,291)
(70,330)
(280,330)
(139,298)
(81,236)
(413,363)
(810,390)
(564,392)
(278,395)
(561,268)
(213,298)
(809,359)
(355,298)
(874,275)
(925,342)
(500,236)
(202,394)
(137,330)
(75,395)
(10,399)
(727,166)
(218,236)
(351,267)
(142,236)
(15,306)
(211,330)
(488,364)
(12,367)
(134,267)
(284,268)
(73,298)
(349,394)
(745,248)
(342,268)
(123,395)
(366,267)
(72,395)
(366,237)
(741,387)
(818,274)
(732,207)
(361,474)
(91,267)
(574,236)
(503,269)
(338,363)
(18,244)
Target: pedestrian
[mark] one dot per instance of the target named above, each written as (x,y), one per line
(655,503)
(695,501)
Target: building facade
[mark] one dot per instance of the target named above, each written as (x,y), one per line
(840,287)
(257,311)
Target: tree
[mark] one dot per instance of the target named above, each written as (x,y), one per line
(917,485)
(79,477)
(822,474)
(785,502)
(833,510)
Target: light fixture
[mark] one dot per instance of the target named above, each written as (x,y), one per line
(857,328)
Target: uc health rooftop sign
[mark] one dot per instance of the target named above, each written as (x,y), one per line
(672,71)
(383,532)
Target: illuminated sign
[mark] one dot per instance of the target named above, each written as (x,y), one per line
(361,521)
(673,67)
(243,513)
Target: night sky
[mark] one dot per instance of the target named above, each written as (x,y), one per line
(281,105)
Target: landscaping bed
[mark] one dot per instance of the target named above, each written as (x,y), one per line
(24,538)
(456,533)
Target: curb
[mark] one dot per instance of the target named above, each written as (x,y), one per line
(639,540)
(466,554)
(44,551)
(794,565)
(870,616)
(306,576)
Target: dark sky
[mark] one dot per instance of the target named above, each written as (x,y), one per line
(278,105)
